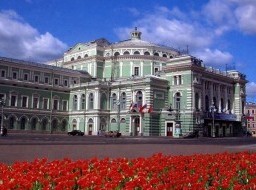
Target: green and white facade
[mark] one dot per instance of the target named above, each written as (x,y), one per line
(101,86)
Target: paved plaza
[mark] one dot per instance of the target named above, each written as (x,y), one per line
(27,147)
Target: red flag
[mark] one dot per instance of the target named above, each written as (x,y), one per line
(142,108)
(150,109)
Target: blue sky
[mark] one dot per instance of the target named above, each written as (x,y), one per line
(220,32)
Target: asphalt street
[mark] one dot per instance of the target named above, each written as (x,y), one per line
(27,147)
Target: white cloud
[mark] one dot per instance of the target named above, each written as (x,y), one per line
(215,57)
(251,90)
(20,40)
(227,15)
(161,27)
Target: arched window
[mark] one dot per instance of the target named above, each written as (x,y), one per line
(122,120)
(103,101)
(54,125)
(196,101)
(64,124)
(114,101)
(23,123)
(164,55)
(91,99)
(171,56)
(136,53)
(83,101)
(113,120)
(139,98)
(11,123)
(126,53)
(86,55)
(214,101)
(75,102)
(207,106)
(156,54)
(74,124)
(123,101)
(116,53)
(44,124)
(146,53)
(79,57)
(72,59)
(33,123)
(177,100)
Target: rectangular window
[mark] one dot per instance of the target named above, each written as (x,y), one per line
(55,104)
(13,100)
(156,69)
(56,81)
(25,77)
(177,80)
(65,105)
(136,71)
(3,73)
(24,102)
(36,78)
(35,102)
(46,80)
(14,75)
(65,83)
(45,103)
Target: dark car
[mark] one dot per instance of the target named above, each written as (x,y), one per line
(76,132)
(194,134)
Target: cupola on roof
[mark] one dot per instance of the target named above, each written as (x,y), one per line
(135,35)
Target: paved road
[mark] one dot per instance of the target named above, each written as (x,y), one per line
(27,147)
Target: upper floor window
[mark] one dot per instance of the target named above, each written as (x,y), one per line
(156,54)
(139,98)
(65,82)
(35,102)
(45,103)
(13,100)
(24,102)
(75,102)
(14,75)
(177,99)
(2,73)
(64,105)
(136,53)
(46,80)
(114,101)
(123,101)
(126,53)
(116,53)
(177,80)
(156,69)
(36,78)
(146,53)
(72,59)
(197,101)
(55,104)
(79,57)
(56,81)
(83,101)
(25,77)
(91,99)
(136,71)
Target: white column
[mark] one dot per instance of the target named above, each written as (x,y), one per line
(78,101)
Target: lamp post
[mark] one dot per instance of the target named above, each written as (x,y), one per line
(212,108)
(2,104)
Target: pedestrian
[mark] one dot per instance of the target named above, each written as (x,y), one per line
(4,131)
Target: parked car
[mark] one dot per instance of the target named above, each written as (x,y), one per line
(112,134)
(76,132)
(194,134)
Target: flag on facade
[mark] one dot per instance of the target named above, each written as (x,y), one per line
(142,108)
(150,109)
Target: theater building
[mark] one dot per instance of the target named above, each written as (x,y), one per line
(136,87)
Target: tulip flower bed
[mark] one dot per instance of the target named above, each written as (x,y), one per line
(216,171)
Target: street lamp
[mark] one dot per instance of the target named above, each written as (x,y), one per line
(213,109)
(2,104)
